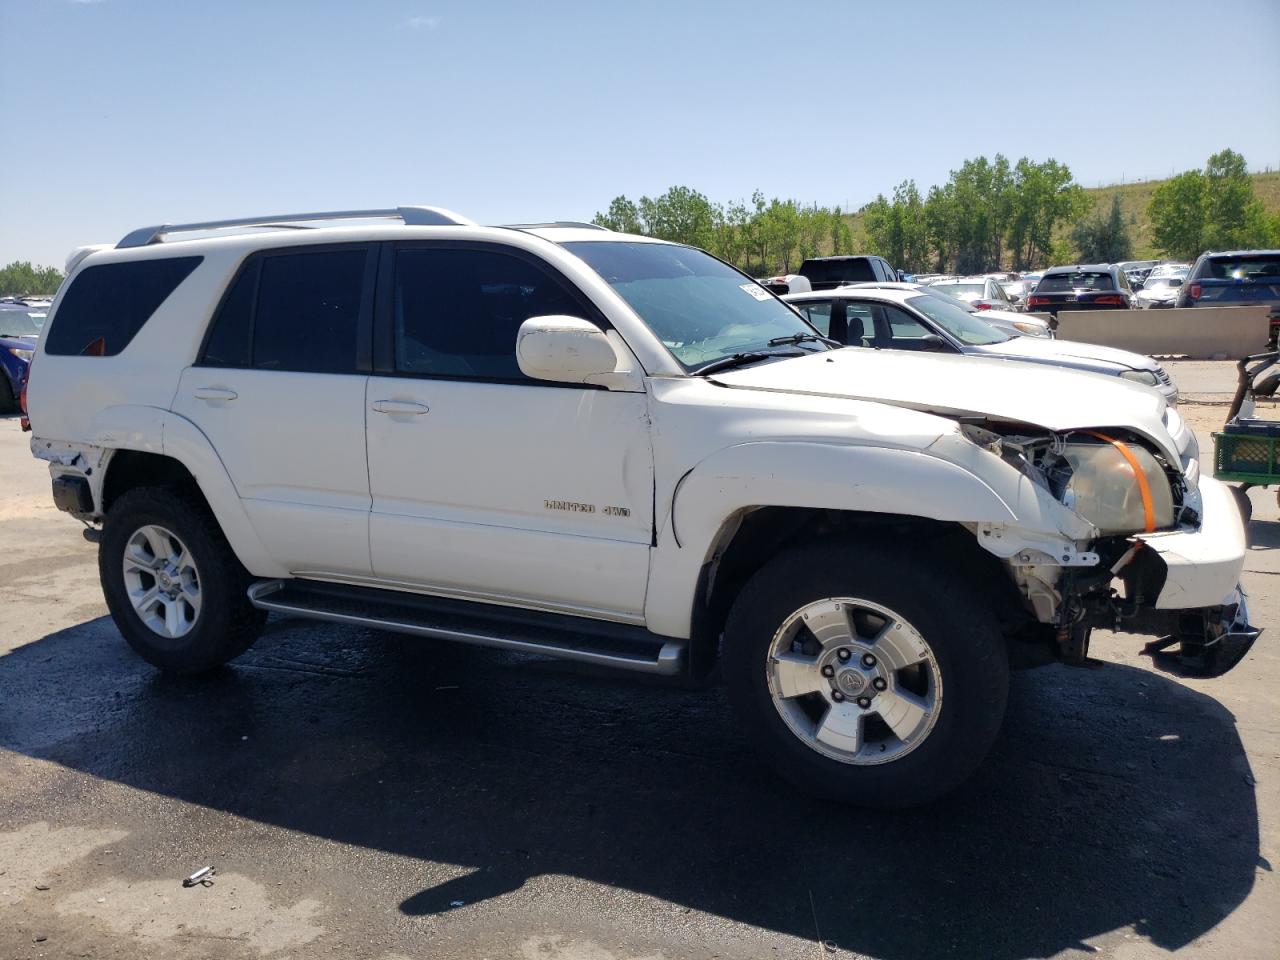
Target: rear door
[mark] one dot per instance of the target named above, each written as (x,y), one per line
(278,388)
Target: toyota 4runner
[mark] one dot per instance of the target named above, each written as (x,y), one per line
(622,451)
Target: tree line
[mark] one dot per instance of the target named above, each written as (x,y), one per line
(21,279)
(990,214)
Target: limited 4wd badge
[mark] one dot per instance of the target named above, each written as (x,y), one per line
(572,506)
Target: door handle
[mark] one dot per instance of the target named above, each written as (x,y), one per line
(400,407)
(214,394)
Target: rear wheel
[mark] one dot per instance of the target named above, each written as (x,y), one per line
(173,585)
(866,676)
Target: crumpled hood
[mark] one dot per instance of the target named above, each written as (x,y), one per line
(1054,398)
(1038,349)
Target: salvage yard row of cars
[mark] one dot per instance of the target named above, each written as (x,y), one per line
(864,506)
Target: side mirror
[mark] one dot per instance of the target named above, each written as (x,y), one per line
(565,350)
(935,343)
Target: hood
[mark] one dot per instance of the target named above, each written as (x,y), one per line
(1108,358)
(18,343)
(1053,398)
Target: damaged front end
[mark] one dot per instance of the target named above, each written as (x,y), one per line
(1148,546)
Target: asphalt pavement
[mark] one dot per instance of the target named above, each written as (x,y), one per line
(364,795)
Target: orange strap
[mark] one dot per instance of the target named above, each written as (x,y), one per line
(1144,488)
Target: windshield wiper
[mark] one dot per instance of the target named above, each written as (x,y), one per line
(741,359)
(804,338)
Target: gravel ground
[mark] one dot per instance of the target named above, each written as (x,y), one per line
(363,795)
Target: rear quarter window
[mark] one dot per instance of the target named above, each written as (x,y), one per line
(106,306)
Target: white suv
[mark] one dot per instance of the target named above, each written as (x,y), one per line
(604,447)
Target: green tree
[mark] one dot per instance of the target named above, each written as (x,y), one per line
(622,215)
(1177,211)
(1234,217)
(22,279)
(1103,238)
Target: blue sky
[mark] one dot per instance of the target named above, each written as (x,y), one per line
(119,113)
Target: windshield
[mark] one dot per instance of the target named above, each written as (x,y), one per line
(957,321)
(1062,282)
(961,289)
(701,309)
(21,323)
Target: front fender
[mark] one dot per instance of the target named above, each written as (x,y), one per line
(805,475)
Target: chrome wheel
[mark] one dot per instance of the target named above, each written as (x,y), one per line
(854,681)
(162,582)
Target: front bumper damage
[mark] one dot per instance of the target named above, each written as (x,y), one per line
(1183,588)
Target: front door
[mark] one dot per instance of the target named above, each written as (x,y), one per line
(486,484)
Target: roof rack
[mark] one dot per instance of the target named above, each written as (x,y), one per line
(556,223)
(411,216)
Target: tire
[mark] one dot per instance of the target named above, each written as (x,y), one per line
(966,659)
(214,621)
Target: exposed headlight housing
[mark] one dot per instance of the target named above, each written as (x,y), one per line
(1144,377)
(1030,329)
(22,354)
(1118,487)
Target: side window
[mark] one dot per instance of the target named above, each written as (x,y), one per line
(905,331)
(817,313)
(860,327)
(888,271)
(107,305)
(456,312)
(297,311)
(308,311)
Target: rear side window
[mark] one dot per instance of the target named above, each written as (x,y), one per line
(838,271)
(298,311)
(107,305)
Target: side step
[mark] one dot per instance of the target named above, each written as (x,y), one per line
(482,624)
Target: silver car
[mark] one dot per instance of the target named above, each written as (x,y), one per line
(1014,324)
(911,320)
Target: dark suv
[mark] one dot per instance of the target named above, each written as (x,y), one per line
(1094,286)
(1238,278)
(826,273)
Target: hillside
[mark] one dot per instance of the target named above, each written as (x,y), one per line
(1134,199)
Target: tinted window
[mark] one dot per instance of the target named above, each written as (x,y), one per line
(457,312)
(838,271)
(1065,282)
(1247,267)
(232,331)
(107,305)
(308,310)
(905,331)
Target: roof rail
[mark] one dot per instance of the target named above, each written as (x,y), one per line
(412,216)
(581,225)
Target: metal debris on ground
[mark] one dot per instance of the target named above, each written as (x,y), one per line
(201,878)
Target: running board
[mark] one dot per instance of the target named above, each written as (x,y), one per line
(482,624)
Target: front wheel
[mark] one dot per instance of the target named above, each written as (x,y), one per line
(172,583)
(865,676)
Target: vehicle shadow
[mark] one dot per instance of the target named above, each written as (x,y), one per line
(1116,798)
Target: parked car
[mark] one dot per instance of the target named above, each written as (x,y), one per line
(1158,292)
(621,451)
(1235,279)
(19,328)
(1016,290)
(1098,286)
(984,293)
(1137,270)
(1014,324)
(823,273)
(904,320)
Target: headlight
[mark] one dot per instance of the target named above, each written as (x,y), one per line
(1144,377)
(1119,488)
(1031,329)
(22,354)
